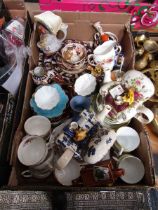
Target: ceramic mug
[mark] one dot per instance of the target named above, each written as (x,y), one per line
(133,168)
(127,140)
(43,169)
(33,150)
(105,56)
(99,146)
(38,126)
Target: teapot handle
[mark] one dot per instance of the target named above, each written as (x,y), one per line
(142,110)
(89,58)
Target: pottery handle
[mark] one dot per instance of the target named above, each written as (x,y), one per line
(118,149)
(26,174)
(63,161)
(64,30)
(91,56)
(142,110)
(118,172)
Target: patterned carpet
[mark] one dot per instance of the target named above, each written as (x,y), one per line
(103,200)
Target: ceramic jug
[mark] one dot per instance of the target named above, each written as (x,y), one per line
(104,55)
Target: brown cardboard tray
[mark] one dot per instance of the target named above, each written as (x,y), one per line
(80,27)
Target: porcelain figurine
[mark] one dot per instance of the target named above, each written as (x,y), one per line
(118,102)
(49,100)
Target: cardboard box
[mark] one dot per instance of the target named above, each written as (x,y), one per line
(135,8)
(118,24)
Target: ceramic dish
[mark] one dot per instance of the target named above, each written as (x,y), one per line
(57,110)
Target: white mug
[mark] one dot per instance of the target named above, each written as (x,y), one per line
(127,140)
(38,126)
(133,168)
(33,150)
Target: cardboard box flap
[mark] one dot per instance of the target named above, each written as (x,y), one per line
(105,18)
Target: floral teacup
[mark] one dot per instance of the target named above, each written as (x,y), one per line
(104,55)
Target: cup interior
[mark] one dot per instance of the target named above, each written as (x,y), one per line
(133,167)
(128,138)
(68,50)
(32,150)
(37,125)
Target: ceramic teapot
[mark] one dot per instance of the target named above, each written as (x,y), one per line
(118,102)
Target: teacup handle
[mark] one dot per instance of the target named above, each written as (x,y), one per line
(64,30)
(26,174)
(118,49)
(91,56)
(63,161)
(118,149)
(142,110)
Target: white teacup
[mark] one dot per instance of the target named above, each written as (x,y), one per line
(133,168)
(33,150)
(37,126)
(127,140)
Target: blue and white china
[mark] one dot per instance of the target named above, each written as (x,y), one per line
(58,103)
(99,146)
